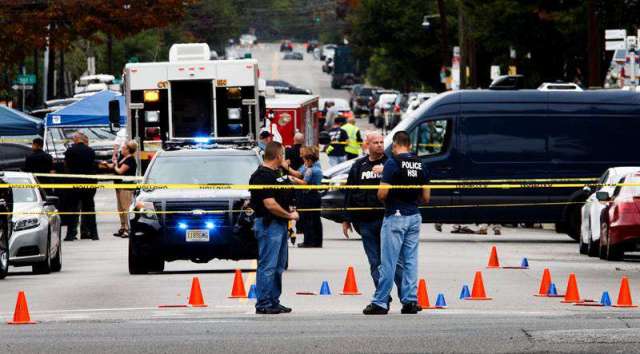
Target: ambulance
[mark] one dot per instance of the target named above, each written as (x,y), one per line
(190,99)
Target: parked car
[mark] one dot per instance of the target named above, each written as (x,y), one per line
(6,228)
(361,95)
(507,82)
(196,225)
(328,65)
(327,51)
(341,105)
(374,100)
(293,56)
(418,98)
(486,134)
(311,46)
(12,155)
(281,86)
(36,240)
(592,209)
(286,46)
(620,219)
(559,86)
(398,108)
(383,109)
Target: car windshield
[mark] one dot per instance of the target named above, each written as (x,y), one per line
(365,91)
(216,169)
(22,195)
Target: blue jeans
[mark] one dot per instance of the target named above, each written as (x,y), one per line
(272,259)
(336,160)
(399,245)
(370,233)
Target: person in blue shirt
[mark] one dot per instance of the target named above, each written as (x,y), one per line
(400,227)
(309,173)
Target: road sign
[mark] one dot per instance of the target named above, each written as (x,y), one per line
(615,45)
(249,102)
(615,34)
(26,79)
(22,87)
(136,105)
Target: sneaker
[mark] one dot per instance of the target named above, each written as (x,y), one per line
(410,308)
(268,311)
(373,309)
(284,309)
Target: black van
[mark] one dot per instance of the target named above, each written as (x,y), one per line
(523,134)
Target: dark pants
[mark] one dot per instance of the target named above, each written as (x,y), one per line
(370,233)
(272,260)
(310,220)
(82,200)
(352,156)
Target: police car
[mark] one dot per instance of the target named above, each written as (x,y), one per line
(194,224)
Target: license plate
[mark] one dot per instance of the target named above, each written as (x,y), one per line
(197,235)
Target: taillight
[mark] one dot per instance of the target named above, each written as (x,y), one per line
(396,108)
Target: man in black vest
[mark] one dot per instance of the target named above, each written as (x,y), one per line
(400,227)
(272,213)
(367,170)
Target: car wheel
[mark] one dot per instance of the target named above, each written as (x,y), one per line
(574,224)
(602,251)
(138,263)
(4,251)
(44,267)
(56,262)
(613,251)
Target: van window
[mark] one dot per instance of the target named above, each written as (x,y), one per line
(431,137)
(506,139)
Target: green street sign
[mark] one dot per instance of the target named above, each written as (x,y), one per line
(26,79)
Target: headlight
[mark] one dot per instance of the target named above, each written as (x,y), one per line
(146,210)
(26,224)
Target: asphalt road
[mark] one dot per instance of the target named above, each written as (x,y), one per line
(95,306)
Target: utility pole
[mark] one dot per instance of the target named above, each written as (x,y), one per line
(593,46)
(444,33)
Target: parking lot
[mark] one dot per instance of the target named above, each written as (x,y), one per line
(94,305)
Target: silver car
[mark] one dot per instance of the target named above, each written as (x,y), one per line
(36,231)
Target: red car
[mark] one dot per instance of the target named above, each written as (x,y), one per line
(621,219)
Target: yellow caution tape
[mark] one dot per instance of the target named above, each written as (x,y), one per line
(219,212)
(304,187)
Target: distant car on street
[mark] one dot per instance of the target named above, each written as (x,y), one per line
(286,46)
(559,86)
(620,220)
(592,209)
(418,98)
(312,45)
(293,56)
(327,51)
(36,240)
(196,225)
(341,105)
(281,86)
(361,96)
(383,109)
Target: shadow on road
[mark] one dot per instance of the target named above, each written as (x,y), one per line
(205,271)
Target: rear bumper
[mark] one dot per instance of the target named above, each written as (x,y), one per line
(627,236)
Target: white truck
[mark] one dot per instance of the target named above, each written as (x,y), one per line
(191,99)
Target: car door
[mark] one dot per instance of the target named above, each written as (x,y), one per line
(434,143)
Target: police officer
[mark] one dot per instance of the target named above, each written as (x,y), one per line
(272,213)
(39,161)
(80,159)
(368,223)
(354,141)
(400,226)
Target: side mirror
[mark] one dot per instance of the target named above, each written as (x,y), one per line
(114,114)
(603,196)
(51,200)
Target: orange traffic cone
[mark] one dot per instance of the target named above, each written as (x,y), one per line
(423,296)
(493,258)
(21,313)
(572,295)
(544,283)
(350,285)
(195,298)
(624,296)
(238,291)
(478,292)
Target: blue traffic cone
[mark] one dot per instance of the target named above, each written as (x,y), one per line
(552,290)
(465,292)
(441,302)
(605,300)
(525,263)
(324,289)
(252,292)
